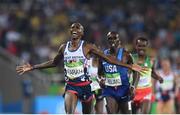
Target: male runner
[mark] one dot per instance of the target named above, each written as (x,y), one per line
(75,53)
(143,93)
(95,86)
(165,93)
(117,87)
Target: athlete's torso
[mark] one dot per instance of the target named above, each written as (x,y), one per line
(75,64)
(145,77)
(168,83)
(115,75)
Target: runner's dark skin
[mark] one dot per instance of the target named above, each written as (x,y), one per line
(99,100)
(76,31)
(141,44)
(114,107)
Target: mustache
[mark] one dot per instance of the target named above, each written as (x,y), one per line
(74,38)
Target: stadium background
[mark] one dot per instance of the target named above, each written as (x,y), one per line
(32,30)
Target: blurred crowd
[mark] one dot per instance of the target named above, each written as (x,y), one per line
(34,29)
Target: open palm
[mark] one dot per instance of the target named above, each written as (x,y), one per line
(24,68)
(138,68)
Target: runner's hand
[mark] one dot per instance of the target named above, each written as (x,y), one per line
(138,68)
(161,80)
(24,68)
(102,82)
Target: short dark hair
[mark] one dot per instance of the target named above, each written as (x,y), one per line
(141,37)
(113,32)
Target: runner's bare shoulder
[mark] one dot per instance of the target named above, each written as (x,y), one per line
(62,48)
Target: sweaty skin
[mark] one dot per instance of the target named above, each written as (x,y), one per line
(76,31)
(141,46)
(113,106)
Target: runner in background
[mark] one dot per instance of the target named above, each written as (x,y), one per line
(95,87)
(143,94)
(165,93)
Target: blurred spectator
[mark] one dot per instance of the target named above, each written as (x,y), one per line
(177,71)
(34,22)
(3,19)
(27,90)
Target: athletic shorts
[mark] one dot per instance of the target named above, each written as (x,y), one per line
(83,93)
(143,94)
(98,94)
(120,93)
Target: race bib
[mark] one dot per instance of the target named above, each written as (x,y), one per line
(113,79)
(95,86)
(74,72)
(144,81)
(167,85)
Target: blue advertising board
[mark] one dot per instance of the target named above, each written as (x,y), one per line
(0,103)
(52,105)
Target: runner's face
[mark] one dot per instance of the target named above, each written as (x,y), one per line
(113,40)
(165,63)
(141,47)
(76,31)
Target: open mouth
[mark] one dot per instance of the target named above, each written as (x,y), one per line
(74,33)
(141,51)
(113,44)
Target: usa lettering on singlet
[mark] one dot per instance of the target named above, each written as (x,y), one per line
(112,75)
(74,62)
(113,72)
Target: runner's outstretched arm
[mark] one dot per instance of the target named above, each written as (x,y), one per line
(48,64)
(112,59)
